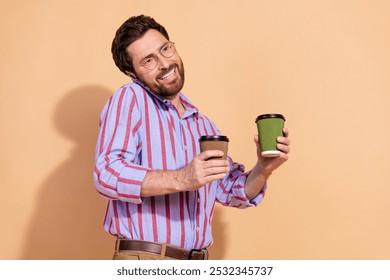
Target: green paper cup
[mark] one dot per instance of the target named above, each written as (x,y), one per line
(269,127)
(214,142)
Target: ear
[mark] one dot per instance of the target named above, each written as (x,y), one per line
(131,74)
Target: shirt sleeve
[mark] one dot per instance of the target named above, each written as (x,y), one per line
(116,174)
(231,190)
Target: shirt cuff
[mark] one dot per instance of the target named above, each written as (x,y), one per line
(259,198)
(130,182)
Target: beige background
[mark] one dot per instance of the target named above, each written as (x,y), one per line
(323,64)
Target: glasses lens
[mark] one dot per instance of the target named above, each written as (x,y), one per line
(150,63)
(168,50)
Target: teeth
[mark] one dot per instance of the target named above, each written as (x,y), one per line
(170,74)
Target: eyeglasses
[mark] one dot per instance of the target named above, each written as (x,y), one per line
(167,50)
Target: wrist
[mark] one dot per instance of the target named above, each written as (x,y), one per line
(179,179)
(262,170)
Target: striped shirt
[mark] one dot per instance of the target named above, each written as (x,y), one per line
(140,131)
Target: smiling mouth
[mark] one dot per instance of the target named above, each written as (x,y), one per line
(169,74)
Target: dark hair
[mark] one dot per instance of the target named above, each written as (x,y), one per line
(130,31)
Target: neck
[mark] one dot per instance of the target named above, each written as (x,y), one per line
(178,105)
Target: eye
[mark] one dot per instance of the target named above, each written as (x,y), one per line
(165,48)
(147,61)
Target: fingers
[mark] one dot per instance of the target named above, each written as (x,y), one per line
(283,148)
(283,142)
(285,132)
(210,154)
(216,166)
(202,171)
(215,177)
(210,163)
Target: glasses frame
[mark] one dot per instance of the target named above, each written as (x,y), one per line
(154,57)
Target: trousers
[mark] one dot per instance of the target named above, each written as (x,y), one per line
(138,255)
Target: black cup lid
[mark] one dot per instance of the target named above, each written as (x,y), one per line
(213,138)
(267,116)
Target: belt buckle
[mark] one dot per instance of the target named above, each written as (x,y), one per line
(204,251)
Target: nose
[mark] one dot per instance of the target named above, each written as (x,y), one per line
(163,62)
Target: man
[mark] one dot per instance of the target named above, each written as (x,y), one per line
(161,190)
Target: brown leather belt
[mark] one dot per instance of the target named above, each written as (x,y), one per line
(157,248)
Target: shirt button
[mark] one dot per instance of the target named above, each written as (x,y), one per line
(197,228)
(185,147)
(198,200)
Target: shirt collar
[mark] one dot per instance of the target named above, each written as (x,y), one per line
(188,105)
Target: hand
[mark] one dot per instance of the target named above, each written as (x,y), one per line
(268,165)
(201,171)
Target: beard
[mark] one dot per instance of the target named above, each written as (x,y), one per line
(171,89)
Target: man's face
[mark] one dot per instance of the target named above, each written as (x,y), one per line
(167,78)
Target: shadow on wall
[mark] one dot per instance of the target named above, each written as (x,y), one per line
(68,220)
